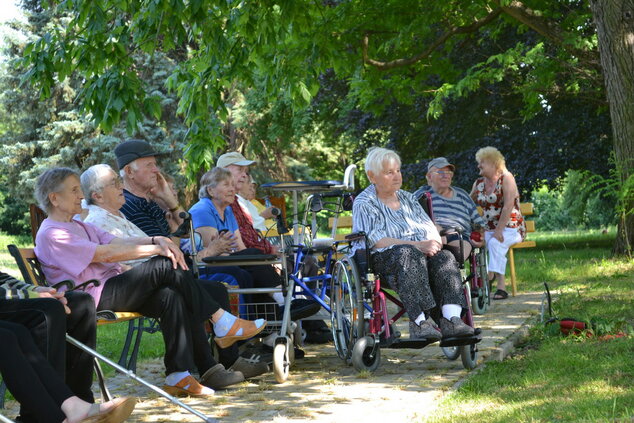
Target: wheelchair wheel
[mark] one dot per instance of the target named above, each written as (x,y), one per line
(282,360)
(469,355)
(366,354)
(344,288)
(451,353)
(481,303)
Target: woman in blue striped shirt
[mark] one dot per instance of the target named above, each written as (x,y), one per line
(406,251)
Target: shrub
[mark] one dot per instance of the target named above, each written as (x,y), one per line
(575,203)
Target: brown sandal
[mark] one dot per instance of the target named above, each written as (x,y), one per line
(249,330)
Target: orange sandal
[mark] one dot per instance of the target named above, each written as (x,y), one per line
(249,330)
(188,387)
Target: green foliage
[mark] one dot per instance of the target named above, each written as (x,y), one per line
(411,49)
(576,202)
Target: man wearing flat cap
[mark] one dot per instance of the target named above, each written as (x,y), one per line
(452,206)
(147,193)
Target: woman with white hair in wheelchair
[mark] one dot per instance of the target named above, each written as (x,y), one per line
(406,251)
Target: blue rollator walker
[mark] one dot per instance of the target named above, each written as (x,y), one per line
(331,198)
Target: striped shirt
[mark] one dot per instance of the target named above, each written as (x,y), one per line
(11,288)
(147,215)
(409,222)
(459,210)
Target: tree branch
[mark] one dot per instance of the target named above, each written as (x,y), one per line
(422,55)
(549,30)
(528,17)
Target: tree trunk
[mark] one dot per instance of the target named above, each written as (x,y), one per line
(614,20)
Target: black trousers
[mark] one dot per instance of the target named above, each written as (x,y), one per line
(29,376)
(181,304)
(47,322)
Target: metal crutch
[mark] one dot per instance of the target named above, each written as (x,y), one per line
(133,376)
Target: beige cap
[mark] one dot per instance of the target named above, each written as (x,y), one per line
(234,158)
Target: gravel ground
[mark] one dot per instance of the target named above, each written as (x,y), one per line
(321,388)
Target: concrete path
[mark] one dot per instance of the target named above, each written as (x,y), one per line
(322,388)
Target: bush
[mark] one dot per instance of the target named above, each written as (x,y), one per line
(574,203)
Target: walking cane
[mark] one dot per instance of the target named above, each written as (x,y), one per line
(132,375)
(5,419)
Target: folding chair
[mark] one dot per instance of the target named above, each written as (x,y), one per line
(32,273)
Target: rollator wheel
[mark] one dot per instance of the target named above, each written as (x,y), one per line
(281,360)
(451,353)
(469,355)
(345,287)
(365,356)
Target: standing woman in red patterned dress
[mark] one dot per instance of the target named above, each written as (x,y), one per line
(496,192)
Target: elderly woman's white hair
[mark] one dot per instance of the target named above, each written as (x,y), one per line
(211,179)
(49,182)
(492,155)
(92,180)
(377,157)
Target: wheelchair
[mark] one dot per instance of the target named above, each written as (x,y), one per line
(362,325)
(477,271)
(361,322)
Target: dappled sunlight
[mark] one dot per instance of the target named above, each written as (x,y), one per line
(601,388)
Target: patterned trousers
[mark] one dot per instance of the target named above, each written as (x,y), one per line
(422,283)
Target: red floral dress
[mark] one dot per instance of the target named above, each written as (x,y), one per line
(492,207)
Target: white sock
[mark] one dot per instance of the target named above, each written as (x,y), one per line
(223,325)
(278,298)
(451,310)
(420,318)
(173,378)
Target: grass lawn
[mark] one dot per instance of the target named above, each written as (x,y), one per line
(553,377)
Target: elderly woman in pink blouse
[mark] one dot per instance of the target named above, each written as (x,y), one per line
(162,287)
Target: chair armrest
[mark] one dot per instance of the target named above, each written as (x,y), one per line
(84,285)
(67,283)
(106,315)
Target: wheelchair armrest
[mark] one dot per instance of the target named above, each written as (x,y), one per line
(357,236)
(456,229)
(241,260)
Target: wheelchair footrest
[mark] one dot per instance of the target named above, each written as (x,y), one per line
(466,340)
(406,343)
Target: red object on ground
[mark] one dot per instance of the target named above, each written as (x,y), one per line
(571,326)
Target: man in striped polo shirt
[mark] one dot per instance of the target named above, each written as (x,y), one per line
(452,206)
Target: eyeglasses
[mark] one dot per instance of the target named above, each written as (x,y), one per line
(116,182)
(444,172)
